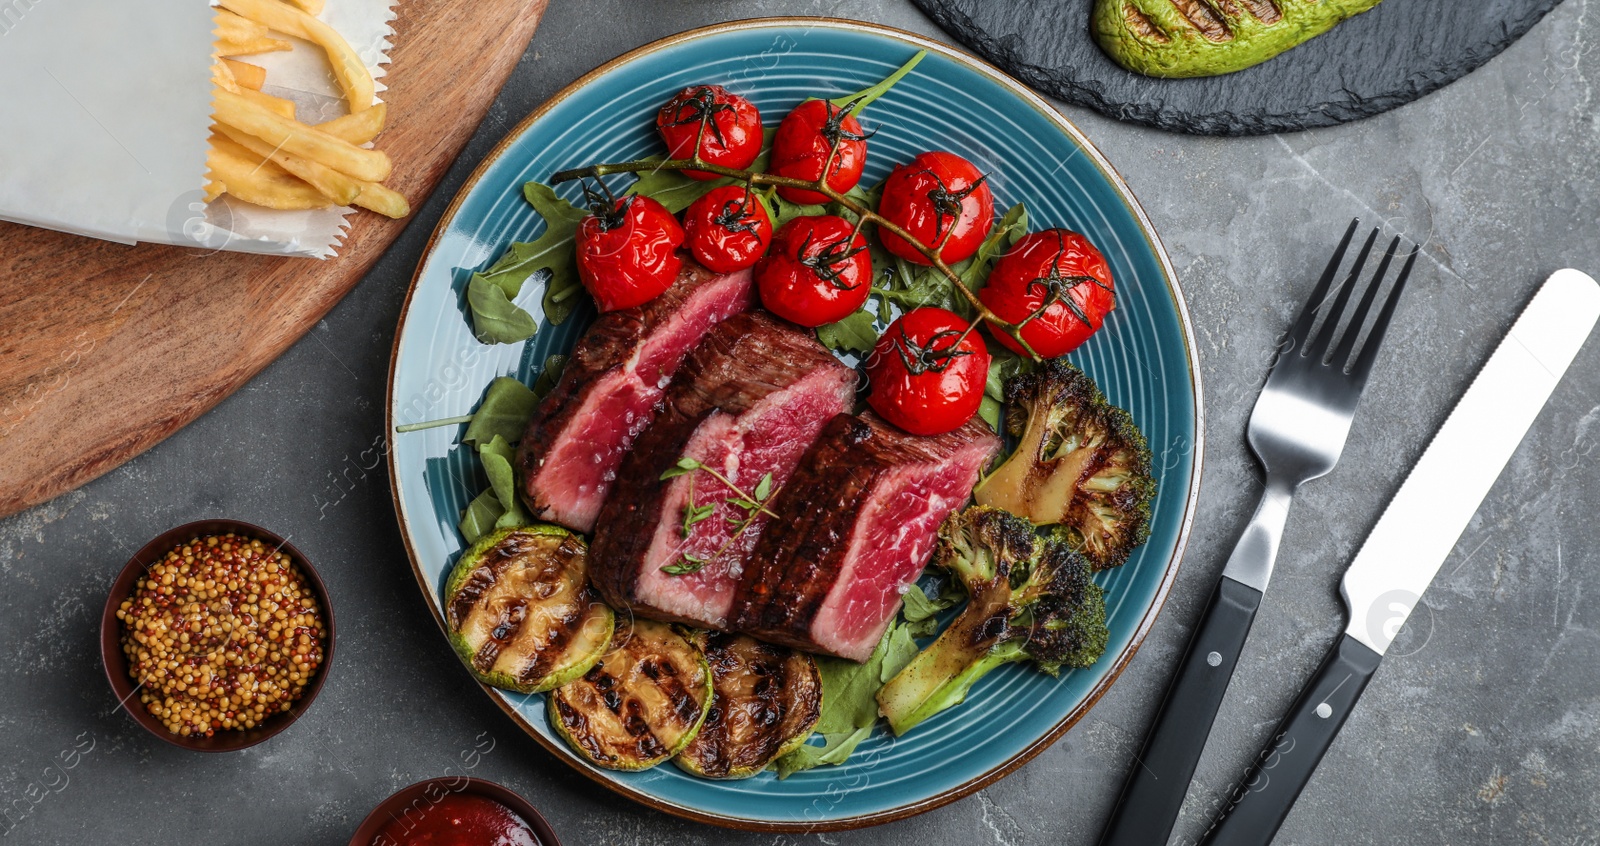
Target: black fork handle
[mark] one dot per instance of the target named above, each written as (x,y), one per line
(1159,777)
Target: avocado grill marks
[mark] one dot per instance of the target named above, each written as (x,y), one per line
(1210,17)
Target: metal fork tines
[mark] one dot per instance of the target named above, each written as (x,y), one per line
(1302,418)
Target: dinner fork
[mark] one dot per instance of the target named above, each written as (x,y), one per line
(1297,431)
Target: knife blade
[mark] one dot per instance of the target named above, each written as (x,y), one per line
(1404,550)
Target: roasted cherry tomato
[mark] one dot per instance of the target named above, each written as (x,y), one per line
(628,253)
(806,138)
(732,128)
(818,271)
(927,373)
(728,229)
(1059,265)
(943,201)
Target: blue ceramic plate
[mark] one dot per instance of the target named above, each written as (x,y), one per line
(1143,359)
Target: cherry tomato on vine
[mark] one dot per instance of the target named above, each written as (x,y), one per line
(943,201)
(817,272)
(1060,266)
(728,229)
(927,372)
(627,251)
(732,128)
(805,141)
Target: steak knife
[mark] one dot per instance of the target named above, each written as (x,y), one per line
(1406,547)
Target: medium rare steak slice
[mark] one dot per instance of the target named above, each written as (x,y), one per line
(746,403)
(855,526)
(572,447)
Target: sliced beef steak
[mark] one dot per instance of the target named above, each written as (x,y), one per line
(854,527)
(619,370)
(746,403)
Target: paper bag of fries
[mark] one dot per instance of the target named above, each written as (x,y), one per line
(254,125)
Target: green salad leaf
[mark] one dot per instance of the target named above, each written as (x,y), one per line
(496,319)
(504,413)
(849,703)
(545,382)
(856,333)
(479,517)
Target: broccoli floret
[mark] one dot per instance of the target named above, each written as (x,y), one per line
(1080,464)
(1029,599)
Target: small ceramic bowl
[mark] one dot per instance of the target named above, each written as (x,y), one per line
(424,794)
(116,663)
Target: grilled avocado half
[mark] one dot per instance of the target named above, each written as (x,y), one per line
(520,611)
(1187,38)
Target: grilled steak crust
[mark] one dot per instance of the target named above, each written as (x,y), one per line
(1186,38)
(753,381)
(569,453)
(862,481)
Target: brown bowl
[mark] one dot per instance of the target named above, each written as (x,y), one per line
(424,794)
(116,663)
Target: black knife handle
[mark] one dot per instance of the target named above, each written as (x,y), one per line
(1159,777)
(1259,804)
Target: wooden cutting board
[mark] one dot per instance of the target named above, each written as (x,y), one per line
(112,348)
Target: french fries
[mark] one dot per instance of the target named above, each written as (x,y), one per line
(357,128)
(331,183)
(298,138)
(260,152)
(347,66)
(245,74)
(261,183)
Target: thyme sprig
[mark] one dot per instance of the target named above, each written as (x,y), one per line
(752,503)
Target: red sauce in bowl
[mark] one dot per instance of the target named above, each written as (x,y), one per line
(458,819)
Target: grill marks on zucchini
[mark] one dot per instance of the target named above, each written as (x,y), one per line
(520,611)
(641,704)
(767,700)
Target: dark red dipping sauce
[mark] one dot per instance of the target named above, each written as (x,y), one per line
(458,819)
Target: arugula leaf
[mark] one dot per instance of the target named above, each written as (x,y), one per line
(1011,227)
(495,318)
(856,333)
(867,95)
(677,192)
(849,701)
(480,515)
(504,413)
(497,456)
(1003,366)
(548,374)
(921,612)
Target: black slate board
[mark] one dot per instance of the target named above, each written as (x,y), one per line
(1371,63)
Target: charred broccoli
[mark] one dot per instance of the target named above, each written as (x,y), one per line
(1030,599)
(1080,464)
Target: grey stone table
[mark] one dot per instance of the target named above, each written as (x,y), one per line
(1488,731)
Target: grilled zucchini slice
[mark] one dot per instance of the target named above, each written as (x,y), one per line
(520,611)
(641,704)
(1186,38)
(767,699)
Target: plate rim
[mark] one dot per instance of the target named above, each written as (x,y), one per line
(1169,276)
